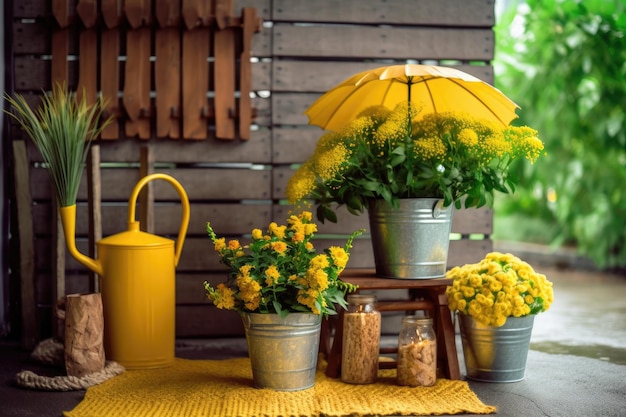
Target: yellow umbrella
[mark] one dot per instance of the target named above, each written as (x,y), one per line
(437,89)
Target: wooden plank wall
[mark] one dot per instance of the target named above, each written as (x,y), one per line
(303,49)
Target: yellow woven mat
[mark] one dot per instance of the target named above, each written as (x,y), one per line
(224,388)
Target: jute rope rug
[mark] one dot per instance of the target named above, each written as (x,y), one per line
(50,352)
(224,388)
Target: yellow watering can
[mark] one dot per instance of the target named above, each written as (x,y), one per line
(137,282)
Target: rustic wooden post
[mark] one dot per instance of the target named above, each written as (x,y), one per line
(84,330)
(58,265)
(27,250)
(94,203)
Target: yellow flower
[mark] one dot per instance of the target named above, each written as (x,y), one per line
(279,247)
(220,244)
(298,237)
(276,230)
(468,137)
(223,297)
(339,256)
(257,234)
(272,275)
(319,262)
(234,245)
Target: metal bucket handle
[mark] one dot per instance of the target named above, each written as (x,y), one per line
(184,223)
(438,209)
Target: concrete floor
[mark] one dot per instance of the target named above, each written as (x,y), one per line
(576,366)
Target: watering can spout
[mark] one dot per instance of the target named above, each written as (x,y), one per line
(68,219)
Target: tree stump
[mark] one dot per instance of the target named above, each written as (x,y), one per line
(84,330)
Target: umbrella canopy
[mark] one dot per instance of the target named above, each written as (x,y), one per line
(437,89)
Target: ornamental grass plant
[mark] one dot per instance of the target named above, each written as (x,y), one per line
(62,129)
(393,154)
(498,287)
(280,271)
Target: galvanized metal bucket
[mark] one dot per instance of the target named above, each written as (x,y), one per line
(283,352)
(410,241)
(496,354)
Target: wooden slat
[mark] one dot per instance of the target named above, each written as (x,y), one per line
(294,145)
(111,12)
(87,10)
(224,71)
(321,76)
(200,184)
(167,81)
(27,250)
(257,150)
(88,66)
(59,70)
(402,12)
(234,218)
(110,80)
(138,12)
(136,97)
(250,25)
(383,42)
(167,13)
(195,82)
(61,12)
(196,13)
(167,69)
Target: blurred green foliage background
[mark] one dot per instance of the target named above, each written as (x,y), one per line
(564,63)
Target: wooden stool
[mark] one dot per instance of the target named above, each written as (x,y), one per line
(435,300)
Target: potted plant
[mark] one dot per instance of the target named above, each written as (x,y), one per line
(496,300)
(282,286)
(384,159)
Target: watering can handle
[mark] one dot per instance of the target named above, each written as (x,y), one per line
(185,206)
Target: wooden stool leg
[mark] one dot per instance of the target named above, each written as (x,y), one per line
(333,368)
(446,344)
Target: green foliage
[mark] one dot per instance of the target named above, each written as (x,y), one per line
(568,73)
(390,155)
(61,129)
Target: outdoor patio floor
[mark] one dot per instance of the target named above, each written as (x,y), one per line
(576,366)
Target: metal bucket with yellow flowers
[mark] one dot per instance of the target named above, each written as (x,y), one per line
(496,301)
(282,286)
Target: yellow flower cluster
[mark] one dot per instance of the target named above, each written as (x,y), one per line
(280,271)
(499,286)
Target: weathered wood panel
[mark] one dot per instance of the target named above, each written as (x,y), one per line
(368,42)
(304,49)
